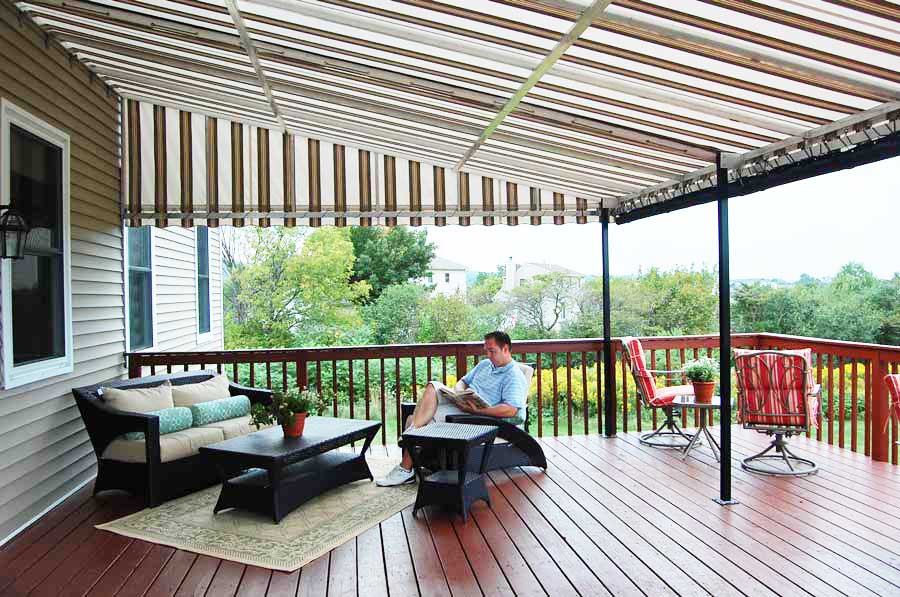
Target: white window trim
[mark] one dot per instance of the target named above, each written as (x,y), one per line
(153,297)
(13,376)
(203,337)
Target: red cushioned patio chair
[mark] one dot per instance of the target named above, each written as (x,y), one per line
(777,397)
(668,434)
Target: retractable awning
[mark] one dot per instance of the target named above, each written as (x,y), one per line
(623,105)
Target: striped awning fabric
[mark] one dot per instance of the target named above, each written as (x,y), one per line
(189,169)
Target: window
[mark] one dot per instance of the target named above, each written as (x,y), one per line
(203,310)
(447,277)
(140,288)
(37,316)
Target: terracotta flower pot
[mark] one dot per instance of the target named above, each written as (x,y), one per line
(295,428)
(703,391)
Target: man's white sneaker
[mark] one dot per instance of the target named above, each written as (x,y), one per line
(397,476)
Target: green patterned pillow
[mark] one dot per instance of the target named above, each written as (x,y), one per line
(214,411)
(171,420)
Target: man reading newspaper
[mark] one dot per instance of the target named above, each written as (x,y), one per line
(495,387)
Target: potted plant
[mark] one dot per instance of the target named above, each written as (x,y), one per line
(289,409)
(702,373)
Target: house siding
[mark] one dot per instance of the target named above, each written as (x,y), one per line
(175,271)
(44,450)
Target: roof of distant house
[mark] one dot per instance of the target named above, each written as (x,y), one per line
(445,264)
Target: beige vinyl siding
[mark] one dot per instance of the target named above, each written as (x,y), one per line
(175,291)
(44,451)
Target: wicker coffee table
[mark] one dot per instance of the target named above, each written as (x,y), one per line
(458,488)
(280,473)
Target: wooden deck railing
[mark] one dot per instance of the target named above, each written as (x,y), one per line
(566,394)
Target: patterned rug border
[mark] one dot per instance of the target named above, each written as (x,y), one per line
(242,557)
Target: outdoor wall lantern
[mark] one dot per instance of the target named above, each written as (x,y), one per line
(13,233)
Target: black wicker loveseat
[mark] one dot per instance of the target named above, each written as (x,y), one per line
(152,479)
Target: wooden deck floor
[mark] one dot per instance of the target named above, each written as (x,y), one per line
(609,517)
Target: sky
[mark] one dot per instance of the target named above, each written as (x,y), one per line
(809,227)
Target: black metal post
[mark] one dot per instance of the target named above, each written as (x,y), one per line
(724,336)
(609,367)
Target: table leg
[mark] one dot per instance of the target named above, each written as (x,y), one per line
(275,483)
(713,445)
(691,444)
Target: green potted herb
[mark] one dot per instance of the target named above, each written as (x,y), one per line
(702,373)
(289,409)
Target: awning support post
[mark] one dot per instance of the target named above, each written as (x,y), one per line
(724,337)
(609,368)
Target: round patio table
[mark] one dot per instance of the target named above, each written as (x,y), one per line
(690,402)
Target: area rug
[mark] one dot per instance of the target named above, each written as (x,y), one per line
(311,530)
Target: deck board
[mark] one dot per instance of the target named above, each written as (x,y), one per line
(610,516)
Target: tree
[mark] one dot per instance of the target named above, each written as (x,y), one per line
(388,257)
(684,301)
(446,319)
(287,297)
(394,316)
(485,288)
(540,302)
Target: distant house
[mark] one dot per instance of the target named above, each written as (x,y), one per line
(516,274)
(447,277)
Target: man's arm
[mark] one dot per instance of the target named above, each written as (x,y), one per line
(501,410)
(460,386)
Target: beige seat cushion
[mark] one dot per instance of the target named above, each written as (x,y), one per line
(139,400)
(172,446)
(235,427)
(212,389)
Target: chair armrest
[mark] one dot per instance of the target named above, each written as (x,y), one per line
(665,371)
(256,395)
(104,424)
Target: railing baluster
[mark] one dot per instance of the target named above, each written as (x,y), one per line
(444,369)
(383,406)
(867,400)
(841,402)
(352,390)
(894,430)
(555,397)
(219,368)
(153,370)
(831,399)
(428,370)
(540,405)
(334,388)
(368,391)
(623,366)
(319,377)
(269,375)
(652,366)
(569,421)
(284,376)
(234,373)
(186,368)
(397,397)
(415,393)
(252,376)
(697,412)
(819,358)
(599,393)
(584,393)
(854,406)
(169,368)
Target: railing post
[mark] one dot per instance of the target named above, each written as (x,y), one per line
(302,381)
(134,366)
(462,366)
(880,410)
